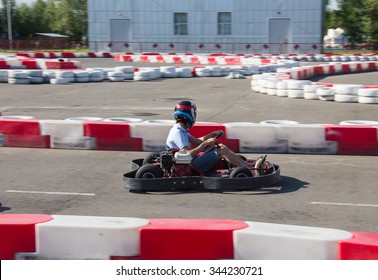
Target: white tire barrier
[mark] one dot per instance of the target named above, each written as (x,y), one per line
(19,81)
(279,122)
(367,100)
(264,241)
(96,76)
(202,72)
(60,81)
(347,89)
(297,84)
(185,72)
(122,119)
(116,76)
(85,119)
(17,117)
(326,94)
(359,122)
(3,76)
(344,98)
(368,92)
(168,71)
(295,93)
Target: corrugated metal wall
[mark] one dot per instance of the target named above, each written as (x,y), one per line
(151,25)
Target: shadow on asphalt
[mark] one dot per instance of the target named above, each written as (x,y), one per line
(285,185)
(3,208)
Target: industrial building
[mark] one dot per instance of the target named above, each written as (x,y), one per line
(207,26)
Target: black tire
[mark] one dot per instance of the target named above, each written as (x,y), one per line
(152,158)
(240,172)
(149,171)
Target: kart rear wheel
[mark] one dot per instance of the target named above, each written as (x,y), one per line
(152,158)
(240,172)
(149,171)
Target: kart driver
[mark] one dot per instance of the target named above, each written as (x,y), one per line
(179,139)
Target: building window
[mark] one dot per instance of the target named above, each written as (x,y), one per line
(180,22)
(224,23)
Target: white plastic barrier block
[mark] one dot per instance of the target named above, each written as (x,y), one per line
(306,139)
(86,237)
(266,241)
(153,133)
(67,134)
(256,138)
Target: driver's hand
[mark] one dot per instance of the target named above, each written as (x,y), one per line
(209,142)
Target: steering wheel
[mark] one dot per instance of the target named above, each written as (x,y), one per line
(220,133)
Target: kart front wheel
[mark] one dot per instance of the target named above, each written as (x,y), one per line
(240,172)
(149,171)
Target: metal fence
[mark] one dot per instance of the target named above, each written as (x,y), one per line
(163,47)
(205,47)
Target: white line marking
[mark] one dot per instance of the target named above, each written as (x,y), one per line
(57,193)
(345,204)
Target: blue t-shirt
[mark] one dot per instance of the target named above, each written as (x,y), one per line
(177,138)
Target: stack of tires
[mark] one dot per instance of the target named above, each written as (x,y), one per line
(346,93)
(18,77)
(367,95)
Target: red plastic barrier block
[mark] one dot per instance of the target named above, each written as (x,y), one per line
(346,68)
(127,58)
(195,60)
(177,59)
(202,129)
(17,233)
(372,66)
(265,61)
(30,64)
(39,55)
(67,65)
(144,58)
(92,55)
(27,141)
(355,134)
(53,64)
(160,59)
(68,54)
(107,129)
(353,140)
(23,54)
(363,246)
(212,60)
(332,69)
(52,55)
(107,55)
(318,70)
(119,144)
(19,127)
(188,239)
(112,136)
(4,65)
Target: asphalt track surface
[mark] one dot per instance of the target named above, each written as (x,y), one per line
(316,190)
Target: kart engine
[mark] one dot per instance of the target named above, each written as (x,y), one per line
(166,160)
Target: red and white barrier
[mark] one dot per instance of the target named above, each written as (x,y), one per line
(356,138)
(64,237)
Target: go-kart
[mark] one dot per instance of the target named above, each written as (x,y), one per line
(173,171)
